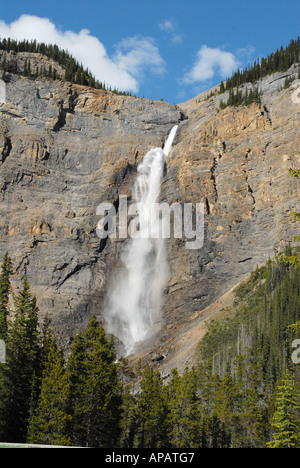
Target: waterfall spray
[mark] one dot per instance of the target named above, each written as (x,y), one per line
(135,301)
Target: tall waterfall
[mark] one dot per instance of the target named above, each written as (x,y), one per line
(135,300)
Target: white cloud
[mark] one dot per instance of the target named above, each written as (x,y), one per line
(121,70)
(209,62)
(169,26)
(246,54)
(138,55)
(177,38)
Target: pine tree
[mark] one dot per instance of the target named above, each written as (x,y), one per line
(128,421)
(294,259)
(95,389)
(175,410)
(214,433)
(184,416)
(285,421)
(151,411)
(6,271)
(4,68)
(227,408)
(22,369)
(49,421)
(4,297)
(29,69)
(25,71)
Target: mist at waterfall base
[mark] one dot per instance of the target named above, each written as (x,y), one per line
(134,302)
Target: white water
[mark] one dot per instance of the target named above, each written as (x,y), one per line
(135,300)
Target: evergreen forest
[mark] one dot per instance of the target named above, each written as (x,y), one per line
(243,391)
(279,61)
(74,72)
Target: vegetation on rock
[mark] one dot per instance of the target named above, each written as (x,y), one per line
(74,72)
(279,61)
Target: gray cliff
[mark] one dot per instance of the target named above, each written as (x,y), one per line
(65,148)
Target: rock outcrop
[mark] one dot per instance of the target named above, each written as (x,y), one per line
(64,149)
(235,162)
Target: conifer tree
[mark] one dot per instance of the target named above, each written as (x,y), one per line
(49,421)
(95,389)
(151,412)
(4,297)
(175,401)
(6,271)
(128,421)
(22,369)
(25,71)
(29,69)
(285,421)
(296,215)
(184,416)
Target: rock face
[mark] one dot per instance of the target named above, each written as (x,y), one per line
(64,149)
(16,61)
(235,162)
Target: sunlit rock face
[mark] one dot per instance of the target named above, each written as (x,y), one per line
(64,149)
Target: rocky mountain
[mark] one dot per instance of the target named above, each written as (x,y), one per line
(66,148)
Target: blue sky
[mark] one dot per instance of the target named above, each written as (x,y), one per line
(166,49)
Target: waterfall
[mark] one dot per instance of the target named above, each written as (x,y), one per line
(135,300)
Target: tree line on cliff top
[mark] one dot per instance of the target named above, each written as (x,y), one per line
(73,71)
(281,60)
